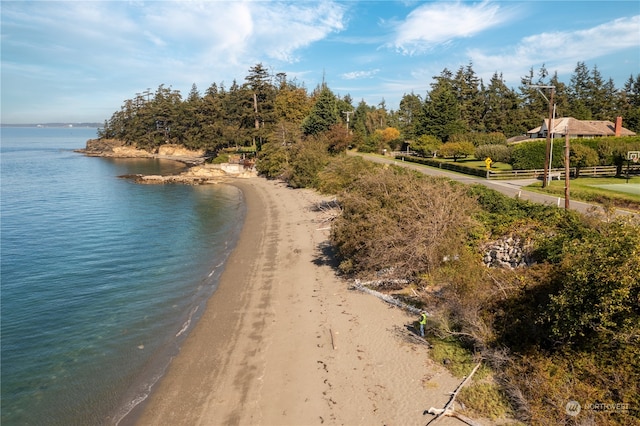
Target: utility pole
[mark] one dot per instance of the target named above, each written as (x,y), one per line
(566,169)
(549,127)
(347,113)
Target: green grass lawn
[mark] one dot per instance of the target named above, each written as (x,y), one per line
(616,192)
(477,164)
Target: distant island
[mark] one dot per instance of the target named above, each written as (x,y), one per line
(91,125)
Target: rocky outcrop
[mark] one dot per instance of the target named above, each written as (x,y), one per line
(119,149)
(508,252)
(113,148)
(199,175)
(179,151)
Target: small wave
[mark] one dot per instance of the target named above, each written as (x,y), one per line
(139,399)
(187,323)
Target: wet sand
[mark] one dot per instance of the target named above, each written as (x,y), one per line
(283,341)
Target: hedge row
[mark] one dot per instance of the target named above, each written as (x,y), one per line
(444,165)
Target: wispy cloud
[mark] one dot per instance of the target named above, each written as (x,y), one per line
(560,50)
(439,23)
(360,74)
(283,29)
(171,42)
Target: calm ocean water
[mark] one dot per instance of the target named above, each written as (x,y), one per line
(101,278)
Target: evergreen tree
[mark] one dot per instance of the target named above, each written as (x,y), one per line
(263,94)
(503,113)
(360,119)
(324,113)
(468,89)
(535,107)
(560,97)
(376,118)
(580,90)
(291,103)
(441,113)
(409,115)
(629,103)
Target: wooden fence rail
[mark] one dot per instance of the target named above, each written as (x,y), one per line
(634,169)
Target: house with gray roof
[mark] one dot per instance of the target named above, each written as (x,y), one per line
(562,126)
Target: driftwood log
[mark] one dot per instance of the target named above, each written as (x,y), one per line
(389,299)
(448,409)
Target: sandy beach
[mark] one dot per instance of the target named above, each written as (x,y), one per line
(284,341)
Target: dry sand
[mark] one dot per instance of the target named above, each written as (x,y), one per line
(283,341)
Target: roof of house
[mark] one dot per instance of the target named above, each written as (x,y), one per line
(564,125)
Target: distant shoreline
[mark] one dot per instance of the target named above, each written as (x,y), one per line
(56,125)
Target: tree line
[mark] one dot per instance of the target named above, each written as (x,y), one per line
(269,107)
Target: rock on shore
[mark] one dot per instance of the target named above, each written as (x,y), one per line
(199,173)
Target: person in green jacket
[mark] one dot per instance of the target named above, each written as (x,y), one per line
(422,322)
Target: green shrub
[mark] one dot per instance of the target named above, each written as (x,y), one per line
(497,153)
(398,218)
(485,399)
(477,139)
(426,145)
(450,353)
(456,150)
(530,155)
(308,158)
(340,173)
(599,281)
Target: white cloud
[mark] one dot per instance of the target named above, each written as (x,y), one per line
(560,50)
(439,23)
(144,44)
(283,29)
(360,74)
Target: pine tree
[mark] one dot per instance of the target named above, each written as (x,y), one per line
(580,90)
(503,113)
(409,115)
(324,113)
(441,113)
(468,89)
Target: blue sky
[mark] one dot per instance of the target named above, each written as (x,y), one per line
(78,61)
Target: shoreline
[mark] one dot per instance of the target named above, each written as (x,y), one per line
(284,341)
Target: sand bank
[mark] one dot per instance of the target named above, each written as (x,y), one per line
(283,341)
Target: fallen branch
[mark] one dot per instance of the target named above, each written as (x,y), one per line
(387,298)
(451,413)
(448,409)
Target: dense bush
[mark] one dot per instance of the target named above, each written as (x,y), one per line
(398,218)
(497,153)
(426,145)
(599,286)
(308,158)
(273,160)
(456,150)
(298,164)
(530,155)
(582,156)
(340,173)
(477,138)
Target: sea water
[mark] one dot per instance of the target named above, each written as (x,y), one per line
(101,278)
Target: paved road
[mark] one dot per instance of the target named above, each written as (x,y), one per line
(512,188)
